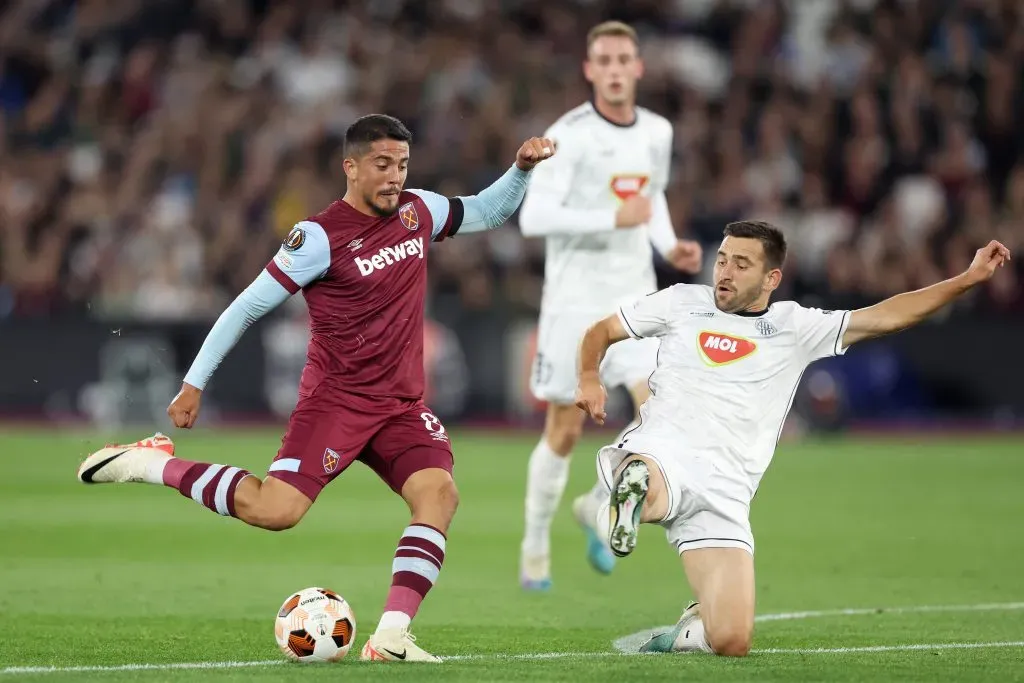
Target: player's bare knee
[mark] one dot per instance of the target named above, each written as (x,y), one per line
(730,640)
(432,494)
(563,428)
(563,441)
(446,498)
(269,514)
(278,518)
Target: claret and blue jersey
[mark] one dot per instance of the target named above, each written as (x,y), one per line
(364,281)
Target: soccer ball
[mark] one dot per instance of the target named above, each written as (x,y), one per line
(315,625)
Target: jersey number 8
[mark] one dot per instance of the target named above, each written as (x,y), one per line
(431,422)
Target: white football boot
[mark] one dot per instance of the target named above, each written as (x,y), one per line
(535,572)
(395,645)
(673,640)
(119,463)
(585,509)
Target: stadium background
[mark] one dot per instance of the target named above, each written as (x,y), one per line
(153,154)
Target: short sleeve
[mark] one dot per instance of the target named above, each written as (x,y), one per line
(649,316)
(444,214)
(820,332)
(304,256)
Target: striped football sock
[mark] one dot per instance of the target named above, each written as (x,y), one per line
(212,486)
(416,567)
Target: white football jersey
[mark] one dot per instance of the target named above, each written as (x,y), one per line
(725,382)
(572,198)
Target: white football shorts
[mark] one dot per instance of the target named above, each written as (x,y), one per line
(707,508)
(553,377)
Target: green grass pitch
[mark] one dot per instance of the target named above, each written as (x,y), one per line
(136,575)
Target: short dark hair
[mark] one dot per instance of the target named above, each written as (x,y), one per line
(368,129)
(772,239)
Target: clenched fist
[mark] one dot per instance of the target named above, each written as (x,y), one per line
(686,256)
(986,260)
(534,151)
(184,409)
(634,211)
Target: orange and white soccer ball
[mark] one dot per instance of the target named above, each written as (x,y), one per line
(315,625)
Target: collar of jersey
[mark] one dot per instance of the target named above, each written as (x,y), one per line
(752,314)
(593,105)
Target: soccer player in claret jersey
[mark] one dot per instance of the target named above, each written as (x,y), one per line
(361,265)
(729,366)
(600,206)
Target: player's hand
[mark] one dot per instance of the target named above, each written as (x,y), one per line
(687,256)
(184,409)
(591,397)
(634,211)
(986,260)
(534,151)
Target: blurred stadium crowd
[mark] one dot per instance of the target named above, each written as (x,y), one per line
(154,152)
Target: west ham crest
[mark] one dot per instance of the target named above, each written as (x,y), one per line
(331,460)
(407,214)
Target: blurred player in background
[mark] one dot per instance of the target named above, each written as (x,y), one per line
(600,204)
(361,265)
(728,368)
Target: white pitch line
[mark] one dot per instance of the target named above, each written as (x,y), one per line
(909,647)
(886,648)
(862,611)
(11,670)
(630,643)
(535,656)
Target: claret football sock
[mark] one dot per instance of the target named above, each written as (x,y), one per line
(414,571)
(212,486)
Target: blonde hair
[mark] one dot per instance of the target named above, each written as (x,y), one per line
(612,28)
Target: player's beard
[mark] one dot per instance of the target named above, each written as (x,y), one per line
(381,209)
(740,300)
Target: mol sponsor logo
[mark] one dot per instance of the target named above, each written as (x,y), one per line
(717,348)
(389,256)
(626,186)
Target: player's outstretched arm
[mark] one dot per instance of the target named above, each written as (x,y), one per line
(591,394)
(494,205)
(544,206)
(650,316)
(910,308)
(304,256)
(260,297)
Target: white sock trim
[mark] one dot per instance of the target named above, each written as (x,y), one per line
(201,482)
(154,473)
(220,496)
(394,619)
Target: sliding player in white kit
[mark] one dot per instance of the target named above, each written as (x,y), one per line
(600,205)
(727,371)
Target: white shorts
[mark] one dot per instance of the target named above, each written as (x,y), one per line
(706,508)
(553,377)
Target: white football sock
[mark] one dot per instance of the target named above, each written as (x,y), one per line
(692,639)
(394,620)
(155,468)
(547,476)
(599,493)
